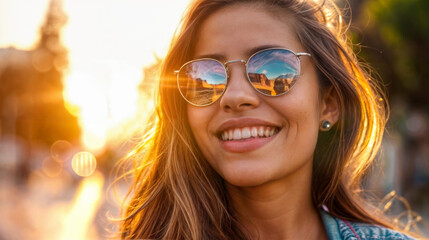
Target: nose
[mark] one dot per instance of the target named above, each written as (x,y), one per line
(239,94)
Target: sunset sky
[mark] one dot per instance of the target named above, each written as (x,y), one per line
(109,43)
(131,30)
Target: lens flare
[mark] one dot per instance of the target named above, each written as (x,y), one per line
(84,164)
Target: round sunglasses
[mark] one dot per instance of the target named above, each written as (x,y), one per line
(271,72)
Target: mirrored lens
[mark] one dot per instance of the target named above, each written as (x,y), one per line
(274,71)
(202,82)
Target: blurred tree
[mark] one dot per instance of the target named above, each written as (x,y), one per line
(397,35)
(392,36)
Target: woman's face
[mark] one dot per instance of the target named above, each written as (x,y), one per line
(233,33)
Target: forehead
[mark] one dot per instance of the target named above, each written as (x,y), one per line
(233,30)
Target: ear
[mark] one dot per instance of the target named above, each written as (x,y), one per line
(329,109)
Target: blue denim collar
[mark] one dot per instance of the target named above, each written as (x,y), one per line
(338,229)
(331,226)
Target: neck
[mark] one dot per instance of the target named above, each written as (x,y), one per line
(280,209)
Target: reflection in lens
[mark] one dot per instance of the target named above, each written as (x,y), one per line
(202,82)
(274,71)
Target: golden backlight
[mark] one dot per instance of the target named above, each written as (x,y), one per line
(77,223)
(110,42)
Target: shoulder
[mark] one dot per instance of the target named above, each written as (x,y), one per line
(345,230)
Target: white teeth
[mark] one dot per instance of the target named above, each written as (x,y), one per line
(224,136)
(267,132)
(247,132)
(261,131)
(254,132)
(237,134)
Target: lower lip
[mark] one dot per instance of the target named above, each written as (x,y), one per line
(247,145)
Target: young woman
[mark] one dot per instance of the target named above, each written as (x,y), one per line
(265,124)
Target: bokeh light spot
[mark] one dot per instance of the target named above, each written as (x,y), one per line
(61,150)
(84,164)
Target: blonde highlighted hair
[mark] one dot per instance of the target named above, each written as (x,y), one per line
(177,195)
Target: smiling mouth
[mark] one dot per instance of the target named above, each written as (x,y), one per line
(244,133)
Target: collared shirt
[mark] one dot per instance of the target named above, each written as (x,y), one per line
(338,229)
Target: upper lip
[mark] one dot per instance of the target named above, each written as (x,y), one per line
(243,122)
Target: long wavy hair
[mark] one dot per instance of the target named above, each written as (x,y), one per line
(177,195)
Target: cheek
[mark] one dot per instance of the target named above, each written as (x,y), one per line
(308,117)
(199,120)
(306,102)
(300,112)
(299,109)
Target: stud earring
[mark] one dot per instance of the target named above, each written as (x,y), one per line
(325,126)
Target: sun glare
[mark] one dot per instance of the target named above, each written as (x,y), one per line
(109,43)
(20,22)
(77,224)
(108,50)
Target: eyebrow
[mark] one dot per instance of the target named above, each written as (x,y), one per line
(249,52)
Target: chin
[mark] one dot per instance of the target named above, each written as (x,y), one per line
(247,179)
(244,183)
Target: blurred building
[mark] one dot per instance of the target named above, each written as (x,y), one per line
(32,112)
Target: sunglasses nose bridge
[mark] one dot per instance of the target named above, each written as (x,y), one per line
(231,62)
(234,61)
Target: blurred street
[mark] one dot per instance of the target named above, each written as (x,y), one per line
(73,104)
